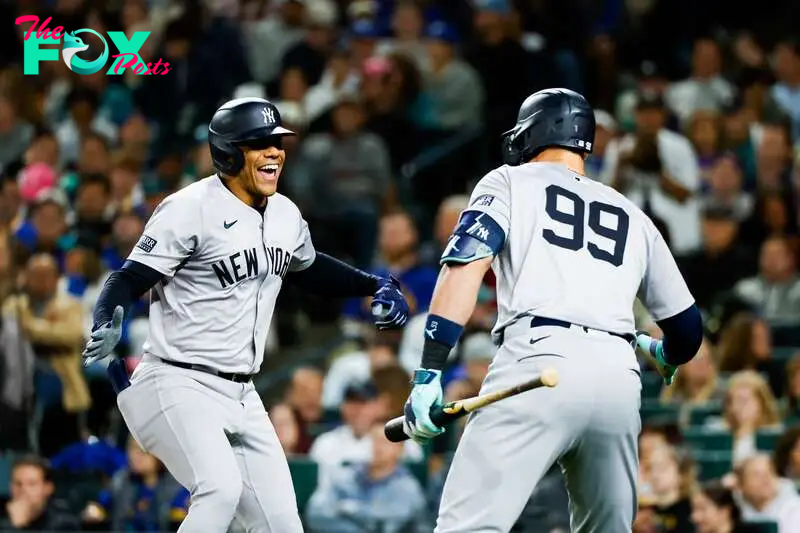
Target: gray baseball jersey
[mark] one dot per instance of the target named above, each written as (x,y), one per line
(223,264)
(578,252)
(575,250)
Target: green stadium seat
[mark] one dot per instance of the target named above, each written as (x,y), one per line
(765,527)
(698,415)
(651,385)
(767,439)
(420,471)
(304,477)
(712,465)
(6,460)
(655,412)
(784,353)
(700,438)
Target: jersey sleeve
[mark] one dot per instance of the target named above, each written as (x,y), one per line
(170,236)
(304,252)
(663,290)
(483,226)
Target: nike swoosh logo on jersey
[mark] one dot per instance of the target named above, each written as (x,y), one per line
(229,224)
(534,341)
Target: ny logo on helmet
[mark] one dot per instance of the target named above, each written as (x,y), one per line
(269,115)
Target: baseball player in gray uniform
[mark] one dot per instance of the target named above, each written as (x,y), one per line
(214,256)
(570,255)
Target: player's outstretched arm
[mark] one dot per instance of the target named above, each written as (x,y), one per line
(327,276)
(121,289)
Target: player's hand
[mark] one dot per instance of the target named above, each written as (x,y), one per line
(655,349)
(103,339)
(389,306)
(427,393)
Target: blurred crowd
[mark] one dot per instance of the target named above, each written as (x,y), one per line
(399,106)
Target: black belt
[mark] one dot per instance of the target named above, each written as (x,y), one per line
(236,378)
(539,321)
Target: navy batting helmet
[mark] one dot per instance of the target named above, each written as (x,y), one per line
(238,122)
(550,118)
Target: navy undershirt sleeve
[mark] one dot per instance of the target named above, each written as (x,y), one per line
(683,335)
(124,287)
(327,276)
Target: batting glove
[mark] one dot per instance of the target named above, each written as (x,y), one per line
(389,306)
(104,338)
(427,393)
(655,349)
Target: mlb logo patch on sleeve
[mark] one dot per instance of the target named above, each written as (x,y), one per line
(484,200)
(146,243)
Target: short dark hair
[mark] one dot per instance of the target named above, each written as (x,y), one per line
(722,497)
(95,179)
(35,461)
(83,94)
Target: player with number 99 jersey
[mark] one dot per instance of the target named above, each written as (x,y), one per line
(574,249)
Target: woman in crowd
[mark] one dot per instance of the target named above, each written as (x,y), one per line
(672,477)
(791,400)
(284,420)
(749,408)
(787,455)
(714,510)
(746,344)
(698,381)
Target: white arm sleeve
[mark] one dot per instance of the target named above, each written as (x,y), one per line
(170,236)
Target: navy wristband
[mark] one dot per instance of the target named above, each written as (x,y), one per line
(440,337)
(441,330)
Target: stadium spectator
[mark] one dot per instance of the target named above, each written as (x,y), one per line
(722,261)
(82,119)
(725,182)
(787,455)
(706,89)
(381,495)
(765,496)
(53,324)
(749,407)
(31,506)
(672,478)
(15,133)
(408,25)
(775,292)
(305,398)
(704,130)
(394,385)
(287,427)
(697,384)
(606,130)
(714,510)
(791,404)
(746,344)
(657,169)
(787,70)
(356,366)
(351,442)
(142,497)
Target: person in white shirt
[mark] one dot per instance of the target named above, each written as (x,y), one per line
(350,442)
(662,179)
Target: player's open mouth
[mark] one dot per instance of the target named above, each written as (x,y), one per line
(270,171)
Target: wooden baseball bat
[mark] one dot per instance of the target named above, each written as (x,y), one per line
(441,415)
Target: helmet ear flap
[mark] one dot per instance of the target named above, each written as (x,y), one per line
(512,152)
(226,157)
